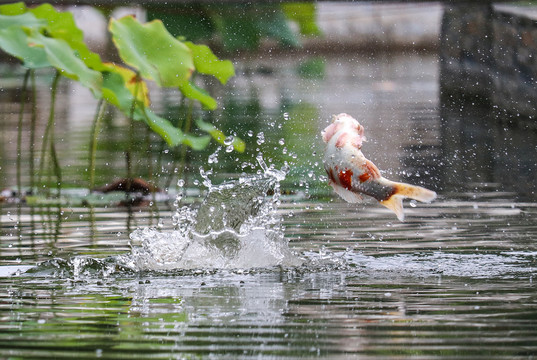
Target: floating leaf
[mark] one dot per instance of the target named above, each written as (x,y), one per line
(191,91)
(219,136)
(153,51)
(63,58)
(206,62)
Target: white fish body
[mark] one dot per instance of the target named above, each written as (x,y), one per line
(352,175)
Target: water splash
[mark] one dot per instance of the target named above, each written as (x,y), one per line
(236,226)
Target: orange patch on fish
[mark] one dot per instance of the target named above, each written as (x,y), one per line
(331,175)
(345,179)
(364,177)
(372,169)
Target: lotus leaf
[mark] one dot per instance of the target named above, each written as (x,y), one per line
(63,58)
(206,62)
(153,51)
(116,92)
(13,9)
(134,83)
(61,25)
(14,41)
(191,91)
(27,20)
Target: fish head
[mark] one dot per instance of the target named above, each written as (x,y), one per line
(345,127)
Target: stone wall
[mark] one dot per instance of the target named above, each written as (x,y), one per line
(489,53)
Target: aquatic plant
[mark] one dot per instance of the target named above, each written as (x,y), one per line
(238,26)
(42,37)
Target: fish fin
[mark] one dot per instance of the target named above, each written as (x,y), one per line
(402,190)
(414,192)
(395,204)
(345,194)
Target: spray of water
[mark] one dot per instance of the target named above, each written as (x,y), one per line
(236,227)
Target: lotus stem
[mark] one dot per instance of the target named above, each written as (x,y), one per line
(49,126)
(53,154)
(33,122)
(95,128)
(56,165)
(19,132)
(128,154)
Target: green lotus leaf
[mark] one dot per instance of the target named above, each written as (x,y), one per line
(191,91)
(14,41)
(13,9)
(152,50)
(219,136)
(134,83)
(62,57)
(115,92)
(206,62)
(23,20)
(173,135)
(61,25)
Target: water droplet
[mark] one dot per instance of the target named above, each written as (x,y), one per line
(260,138)
(229,140)
(213,158)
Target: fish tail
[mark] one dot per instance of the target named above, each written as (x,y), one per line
(395,204)
(401,191)
(414,192)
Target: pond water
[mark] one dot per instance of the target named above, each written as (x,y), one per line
(309,276)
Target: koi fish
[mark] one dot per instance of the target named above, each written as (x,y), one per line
(351,174)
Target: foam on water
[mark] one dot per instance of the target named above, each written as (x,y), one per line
(236,227)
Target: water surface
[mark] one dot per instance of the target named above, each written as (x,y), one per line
(455,280)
